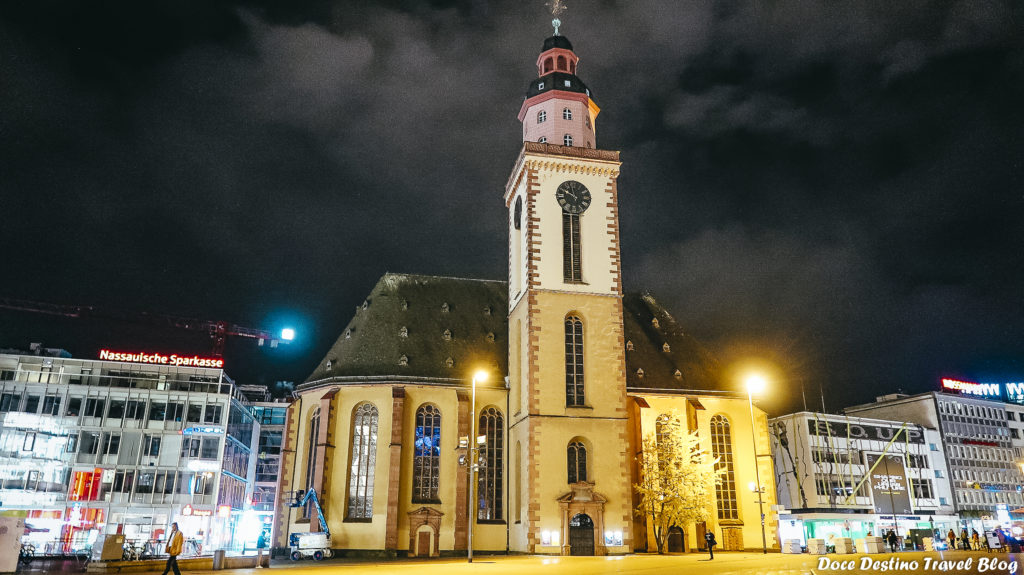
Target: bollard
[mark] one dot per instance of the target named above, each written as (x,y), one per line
(218,559)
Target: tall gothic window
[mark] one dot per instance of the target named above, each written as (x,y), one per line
(489,490)
(363,456)
(721,448)
(426,464)
(314,434)
(573,361)
(572,263)
(576,458)
(519,482)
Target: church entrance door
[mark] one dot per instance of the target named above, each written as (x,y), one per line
(675,540)
(581,535)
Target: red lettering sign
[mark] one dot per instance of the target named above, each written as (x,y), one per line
(161,359)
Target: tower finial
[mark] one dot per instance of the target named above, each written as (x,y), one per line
(557,8)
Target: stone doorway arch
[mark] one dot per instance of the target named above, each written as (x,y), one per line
(424,517)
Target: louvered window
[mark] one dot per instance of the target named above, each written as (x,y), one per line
(572,263)
(574,361)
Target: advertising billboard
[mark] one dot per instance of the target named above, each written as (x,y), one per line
(890,491)
(824,428)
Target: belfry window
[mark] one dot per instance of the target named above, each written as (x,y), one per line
(576,460)
(566,114)
(364,459)
(574,361)
(426,465)
(542,116)
(567,140)
(314,433)
(572,261)
(721,450)
(489,490)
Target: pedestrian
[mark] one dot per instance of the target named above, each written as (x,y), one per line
(891,538)
(951,537)
(709,537)
(174,543)
(975,540)
(965,539)
(261,542)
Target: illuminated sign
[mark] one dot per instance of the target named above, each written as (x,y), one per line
(971,388)
(189,511)
(160,359)
(224,511)
(858,431)
(194,430)
(1014,392)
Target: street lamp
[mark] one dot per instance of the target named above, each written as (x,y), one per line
(756,384)
(479,376)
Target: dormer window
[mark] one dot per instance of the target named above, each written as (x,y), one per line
(449,362)
(629,346)
(403,361)
(540,85)
(568,83)
(666,348)
(566,114)
(404,332)
(678,374)
(640,373)
(542,140)
(447,335)
(567,140)
(654,322)
(542,116)
(444,307)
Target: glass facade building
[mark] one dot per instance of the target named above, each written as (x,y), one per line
(90,447)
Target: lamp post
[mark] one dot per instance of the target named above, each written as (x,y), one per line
(480,376)
(756,384)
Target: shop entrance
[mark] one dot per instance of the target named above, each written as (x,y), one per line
(581,535)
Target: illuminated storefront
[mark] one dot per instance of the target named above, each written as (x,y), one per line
(92,446)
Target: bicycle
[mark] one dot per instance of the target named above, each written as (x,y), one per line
(26,554)
(193,547)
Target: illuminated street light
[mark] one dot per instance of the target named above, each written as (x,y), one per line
(287,334)
(479,376)
(756,384)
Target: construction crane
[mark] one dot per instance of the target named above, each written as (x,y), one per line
(218,331)
(310,544)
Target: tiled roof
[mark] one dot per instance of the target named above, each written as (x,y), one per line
(414,327)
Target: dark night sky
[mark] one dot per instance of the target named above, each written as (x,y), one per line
(832,187)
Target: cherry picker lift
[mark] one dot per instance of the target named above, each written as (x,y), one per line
(310,544)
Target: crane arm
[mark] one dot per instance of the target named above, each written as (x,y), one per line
(301,500)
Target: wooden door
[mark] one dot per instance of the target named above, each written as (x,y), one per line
(423,544)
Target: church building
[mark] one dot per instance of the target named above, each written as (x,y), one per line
(573,374)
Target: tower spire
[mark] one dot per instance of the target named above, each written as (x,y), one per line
(557,8)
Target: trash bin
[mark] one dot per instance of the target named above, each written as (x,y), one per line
(218,559)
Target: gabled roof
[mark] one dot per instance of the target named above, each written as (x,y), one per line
(429,328)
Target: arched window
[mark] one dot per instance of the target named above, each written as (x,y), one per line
(576,457)
(542,116)
(363,456)
(567,140)
(566,114)
(574,361)
(543,140)
(314,434)
(561,63)
(426,463)
(663,427)
(547,65)
(721,448)
(489,489)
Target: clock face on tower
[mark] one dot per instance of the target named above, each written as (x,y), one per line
(573,196)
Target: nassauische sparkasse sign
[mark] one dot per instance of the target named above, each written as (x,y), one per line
(161,359)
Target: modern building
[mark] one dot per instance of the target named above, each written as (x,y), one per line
(271,414)
(841,476)
(578,373)
(124,446)
(982,457)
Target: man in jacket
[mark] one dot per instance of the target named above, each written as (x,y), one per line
(174,543)
(709,537)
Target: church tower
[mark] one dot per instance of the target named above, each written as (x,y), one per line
(569,459)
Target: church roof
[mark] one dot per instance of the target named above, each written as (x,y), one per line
(563,81)
(437,329)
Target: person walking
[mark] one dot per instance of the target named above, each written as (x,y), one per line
(709,537)
(965,539)
(174,543)
(975,540)
(951,537)
(892,540)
